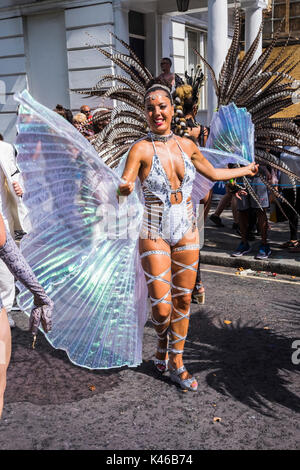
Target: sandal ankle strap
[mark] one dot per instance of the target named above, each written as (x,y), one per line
(178,371)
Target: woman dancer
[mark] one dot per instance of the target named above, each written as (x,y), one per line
(169,241)
(187,99)
(5,334)
(19,267)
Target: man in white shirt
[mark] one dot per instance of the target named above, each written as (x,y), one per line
(13,212)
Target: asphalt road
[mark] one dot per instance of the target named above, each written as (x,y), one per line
(240,348)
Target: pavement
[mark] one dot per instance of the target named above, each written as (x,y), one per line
(220,242)
(241,347)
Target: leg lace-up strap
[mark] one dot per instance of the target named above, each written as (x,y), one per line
(184,267)
(182,316)
(186,247)
(183,290)
(154,252)
(162,299)
(158,277)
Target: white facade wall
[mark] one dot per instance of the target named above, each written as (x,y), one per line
(12,72)
(85,24)
(46,58)
(78,63)
(178,47)
(86,27)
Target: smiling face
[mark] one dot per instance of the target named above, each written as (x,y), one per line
(159,112)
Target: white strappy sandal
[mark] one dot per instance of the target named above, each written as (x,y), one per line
(185,384)
(161,365)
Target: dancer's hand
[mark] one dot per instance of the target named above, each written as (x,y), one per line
(126,188)
(252,168)
(17,188)
(240,193)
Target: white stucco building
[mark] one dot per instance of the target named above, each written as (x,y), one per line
(46,45)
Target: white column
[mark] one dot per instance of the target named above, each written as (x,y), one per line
(151,45)
(217,45)
(165,26)
(121,21)
(121,28)
(253,18)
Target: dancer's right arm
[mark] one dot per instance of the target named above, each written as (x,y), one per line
(132,167)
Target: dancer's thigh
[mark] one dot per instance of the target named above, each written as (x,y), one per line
(5,352)
(188,256)
(155,265)
(5,339)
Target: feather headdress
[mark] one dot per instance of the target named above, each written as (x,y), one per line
(127,121)
(263,88)
(187,93)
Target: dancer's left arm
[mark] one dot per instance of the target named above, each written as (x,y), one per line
(204,167)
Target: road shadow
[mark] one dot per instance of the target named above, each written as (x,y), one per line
(46,376)
(243,360)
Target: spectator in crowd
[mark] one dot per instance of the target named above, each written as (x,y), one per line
(66,113)
(244,206)
(69,115)
(86,110)
(101,118)
(198,133)
(88,127)
(13,212)
(82,124)
(293,162)
(79,119)
(173,79)
(59,109)
(229,198)
(189,98)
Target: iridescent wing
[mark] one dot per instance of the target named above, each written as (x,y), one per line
(83,243)
(231,140)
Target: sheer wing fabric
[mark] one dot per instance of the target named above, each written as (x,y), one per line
(231,140)
(83,244)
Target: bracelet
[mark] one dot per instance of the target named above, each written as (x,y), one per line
(119,192)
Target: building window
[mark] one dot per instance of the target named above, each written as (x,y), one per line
(195,39)
(137,35)
(290,11)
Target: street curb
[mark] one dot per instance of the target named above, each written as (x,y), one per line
(275,266)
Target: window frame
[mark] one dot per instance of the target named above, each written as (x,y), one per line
(202,45)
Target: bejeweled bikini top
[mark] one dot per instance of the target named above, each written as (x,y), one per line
(157,182)
(168,221)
